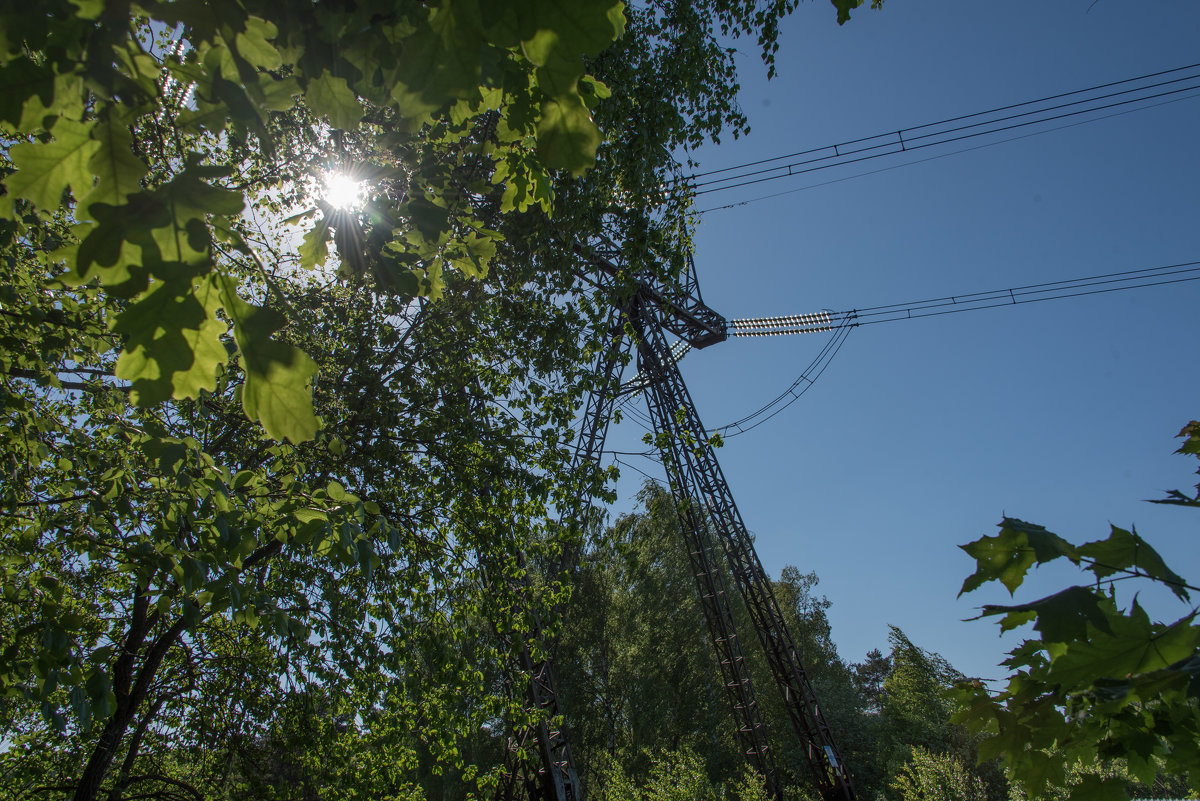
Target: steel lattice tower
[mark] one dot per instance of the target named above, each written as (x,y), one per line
(716,538)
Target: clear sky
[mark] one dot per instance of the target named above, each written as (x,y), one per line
(922,433)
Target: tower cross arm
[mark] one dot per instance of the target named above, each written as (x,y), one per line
(682,310)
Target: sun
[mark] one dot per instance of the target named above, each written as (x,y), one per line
(344,192)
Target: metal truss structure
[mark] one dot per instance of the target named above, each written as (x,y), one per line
(711,521)
(718,543)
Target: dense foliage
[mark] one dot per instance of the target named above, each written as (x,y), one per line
(1101,694)
(644,695)
(275,469)
(159,178)
(1101,702)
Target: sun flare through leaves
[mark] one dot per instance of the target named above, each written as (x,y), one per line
(344,192)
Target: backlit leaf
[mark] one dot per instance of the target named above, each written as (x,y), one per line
(440,63)
(1134,646)
(1062,617)
(20,81)
(1095,788)
(278,389)
(1008,556)
(173,345)
(572,27)
(1124,550)
(118,171)
(254,44)
(46,170)
(314,247)
(331,97)
(567,137)
(1191,436)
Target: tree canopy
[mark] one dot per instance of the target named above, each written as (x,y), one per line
(643,694)
(1100,695)
(269,460)
(163,123)
(158,126)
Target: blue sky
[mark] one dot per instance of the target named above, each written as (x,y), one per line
(922,433)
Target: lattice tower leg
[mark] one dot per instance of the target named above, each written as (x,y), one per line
(697,479)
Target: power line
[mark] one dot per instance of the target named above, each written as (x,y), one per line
(959,118)
(797,388)
(842,322)
(938,133)
(954,304)
(940,156)
(636,469)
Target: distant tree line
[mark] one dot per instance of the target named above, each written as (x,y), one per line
(645,703)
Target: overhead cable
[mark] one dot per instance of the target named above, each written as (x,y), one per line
(797,388)
(842,322)
(945,154)
(953,304)
(1181,80)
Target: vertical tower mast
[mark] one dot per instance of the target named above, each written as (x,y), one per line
(700,487)
(712,527)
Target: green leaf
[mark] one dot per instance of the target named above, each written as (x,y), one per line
(173,341)
(208,351)
(567,137)
(309,515)
(431,283)
(119,171)
(549,29)
(278,94)
(593,91)
(100,691)
(113,244)
(190,200)
(1095,788)
(1062,617)
(46,169)
(1040,769)
(314,247)
(163,233)
(1125,550)
(1134,646)
(81,707)
(89,9)
(440,62)
(1177,498)
(192,195)
(481,250)
(430,218)
(254,44)
(1191,436)
(278,389)
(331,97)
(1008,556)
(21,81)
(843,9)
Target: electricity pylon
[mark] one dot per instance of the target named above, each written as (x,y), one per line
(716,538)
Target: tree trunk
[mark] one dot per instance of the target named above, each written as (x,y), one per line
(130,691)
(132,753)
